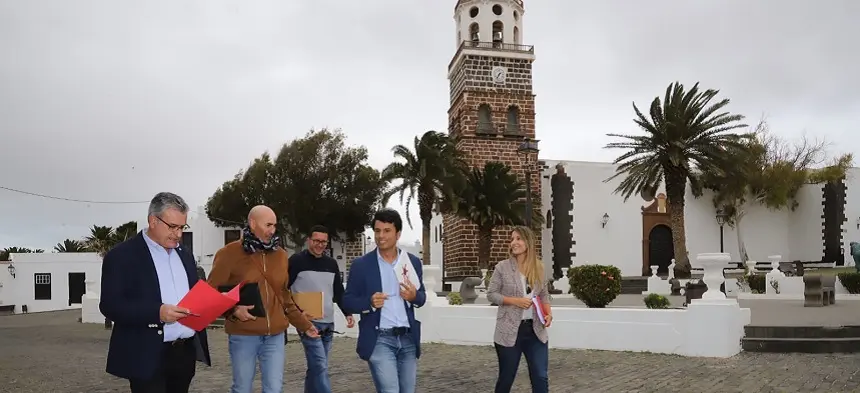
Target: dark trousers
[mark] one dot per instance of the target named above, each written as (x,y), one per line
(537,359)
(176,371)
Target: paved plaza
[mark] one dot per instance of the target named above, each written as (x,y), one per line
(51,352)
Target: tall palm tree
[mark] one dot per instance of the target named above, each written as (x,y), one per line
(493,197)
(124,232)
(430,173)
(684,134)
(70,245)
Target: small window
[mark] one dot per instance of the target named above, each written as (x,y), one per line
(485,120)
(473,12)
(497,9)
(231,235)
(42,288)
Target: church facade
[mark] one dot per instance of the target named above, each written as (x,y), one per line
(492,113)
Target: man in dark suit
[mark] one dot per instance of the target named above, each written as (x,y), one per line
(143,279)
(389,337)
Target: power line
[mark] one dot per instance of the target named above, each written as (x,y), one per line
(109,203)
(72,199)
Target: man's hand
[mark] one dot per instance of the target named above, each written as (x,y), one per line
(408,291)
(308,316)
(170,313)
(378,299)
(312,332)
(522,302)
(242,313)
(350,321)
(548,320)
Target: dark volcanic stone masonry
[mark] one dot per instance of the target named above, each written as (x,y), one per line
(50,352)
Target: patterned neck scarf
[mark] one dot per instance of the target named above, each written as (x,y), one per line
(251,243)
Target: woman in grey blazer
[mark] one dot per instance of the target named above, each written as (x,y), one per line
(514,283)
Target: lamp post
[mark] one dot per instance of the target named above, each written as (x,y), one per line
(721,219)
(525,149)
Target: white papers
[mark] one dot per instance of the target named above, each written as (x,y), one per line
(405,271)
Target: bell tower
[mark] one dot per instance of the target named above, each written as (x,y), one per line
(492,113)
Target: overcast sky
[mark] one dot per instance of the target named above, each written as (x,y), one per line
(116,100)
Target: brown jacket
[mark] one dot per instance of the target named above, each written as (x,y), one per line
(271,271)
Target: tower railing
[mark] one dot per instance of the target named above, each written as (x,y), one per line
(497,46)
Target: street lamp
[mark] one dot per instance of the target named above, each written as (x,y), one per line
(525,149)
(721,219)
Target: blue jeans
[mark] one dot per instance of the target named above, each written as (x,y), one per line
(244,352)
(393,365)
(537,359)
(316,353)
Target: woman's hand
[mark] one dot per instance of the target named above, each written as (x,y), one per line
(522,302)
(548,320)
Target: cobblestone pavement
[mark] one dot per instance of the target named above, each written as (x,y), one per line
(50,352)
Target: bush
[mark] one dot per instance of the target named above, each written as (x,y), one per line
(756,283)
(656,301)
(595,285)
(455,299)
(851,281)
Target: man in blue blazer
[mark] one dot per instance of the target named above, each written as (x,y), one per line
(389,337)
(143,279)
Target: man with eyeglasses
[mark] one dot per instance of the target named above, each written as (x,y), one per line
(313,271)
(143,279)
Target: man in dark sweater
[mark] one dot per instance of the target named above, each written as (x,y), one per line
(313,271)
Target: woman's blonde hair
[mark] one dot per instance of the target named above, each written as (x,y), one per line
(533,267)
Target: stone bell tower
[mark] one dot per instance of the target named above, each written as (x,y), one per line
(492,113)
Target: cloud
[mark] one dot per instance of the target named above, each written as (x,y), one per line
(116,101)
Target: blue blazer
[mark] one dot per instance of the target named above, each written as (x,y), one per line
(362,283)
(131,298)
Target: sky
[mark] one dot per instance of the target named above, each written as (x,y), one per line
(114,101)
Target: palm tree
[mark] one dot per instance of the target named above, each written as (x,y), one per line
(100,240)
(493,197)
(124,232)
(683,135)
(431,173)
(6,252)
(70,245)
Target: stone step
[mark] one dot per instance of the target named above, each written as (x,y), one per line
(802,345)
(802,332)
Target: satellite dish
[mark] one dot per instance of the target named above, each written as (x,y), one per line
(647,194)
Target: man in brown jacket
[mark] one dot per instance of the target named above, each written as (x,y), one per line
(258,258)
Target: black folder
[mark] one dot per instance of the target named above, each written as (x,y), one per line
(249,295)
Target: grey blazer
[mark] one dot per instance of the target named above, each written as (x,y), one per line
(506,282)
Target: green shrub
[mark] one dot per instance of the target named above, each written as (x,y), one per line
(851,281)
(455,299)
(656,301)
(595,285)
(756,283)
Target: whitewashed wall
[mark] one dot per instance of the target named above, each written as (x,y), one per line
(795,235)
(20,290)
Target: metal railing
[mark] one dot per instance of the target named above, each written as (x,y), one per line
(499,46)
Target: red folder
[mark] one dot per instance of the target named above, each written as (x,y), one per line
(207,303)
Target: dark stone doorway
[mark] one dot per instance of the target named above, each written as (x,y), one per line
(660,248)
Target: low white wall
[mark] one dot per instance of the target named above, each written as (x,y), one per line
(20,290)
(792,288)
(704,328)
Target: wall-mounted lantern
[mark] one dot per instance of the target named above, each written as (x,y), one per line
(604,220)
(11,269)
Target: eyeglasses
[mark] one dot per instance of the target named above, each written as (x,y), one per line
(174,227)
(319,242)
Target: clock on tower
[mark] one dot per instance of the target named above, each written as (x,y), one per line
(491,113)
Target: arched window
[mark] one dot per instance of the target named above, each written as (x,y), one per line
(498,33)
(474,32)
(485,120)
(513,123)
(516,35)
